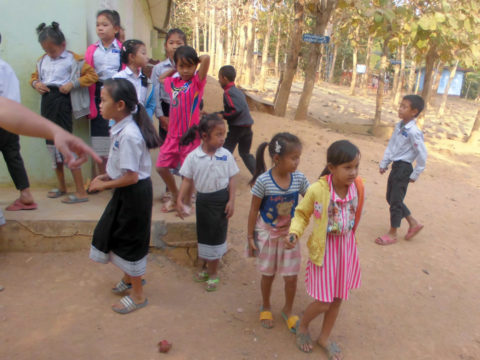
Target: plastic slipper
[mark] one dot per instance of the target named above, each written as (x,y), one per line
(73,199)
(385,240)
(302,339)
(166,196)
(331,350)
(129,305)
(266,315)
(291,322)
(411,232)
(201,276)
(169,206)
(122,286)
(212,284)
(18,205)
(55,193)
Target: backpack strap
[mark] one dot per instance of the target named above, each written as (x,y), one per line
(361,198)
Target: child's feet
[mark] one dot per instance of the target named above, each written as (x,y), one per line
(386,239)
(266,318)
(201,276)
(128,304)
(331,350)
(212,284)
(303,339)
(290,320)
(413,230)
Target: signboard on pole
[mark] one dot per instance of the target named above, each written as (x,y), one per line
(361,69)
(317,39)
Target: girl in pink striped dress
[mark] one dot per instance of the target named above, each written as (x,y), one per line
(333,269)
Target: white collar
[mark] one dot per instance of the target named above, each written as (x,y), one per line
(119,126)
(200,153)
(114,44)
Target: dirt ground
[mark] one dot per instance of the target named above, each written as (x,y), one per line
(418,299)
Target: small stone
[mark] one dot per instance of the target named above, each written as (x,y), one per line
(426,272)
(240,310)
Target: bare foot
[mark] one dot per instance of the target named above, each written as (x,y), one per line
(331,350)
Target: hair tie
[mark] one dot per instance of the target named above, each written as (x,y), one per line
(123,48)
(278,147)
(135,110)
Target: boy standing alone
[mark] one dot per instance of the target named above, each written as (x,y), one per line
(238,117)
(405,146)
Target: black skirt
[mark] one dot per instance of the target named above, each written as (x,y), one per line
(57,107)
(124,228)
(212,224)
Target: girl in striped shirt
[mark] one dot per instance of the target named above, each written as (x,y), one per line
(333,269)
(274,197)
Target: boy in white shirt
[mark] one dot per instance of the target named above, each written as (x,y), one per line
(405,146)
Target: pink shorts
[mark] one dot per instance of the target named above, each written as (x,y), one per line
(172,154)
(273,258)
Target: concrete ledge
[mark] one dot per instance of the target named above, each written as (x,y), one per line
(256,103)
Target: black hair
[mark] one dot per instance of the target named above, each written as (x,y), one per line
(281,144)
(340,152)
(113,16)
(187,54)
(205,126)
(122,89)
(129,47)
(178,32)
(228,72)
(416,102)
(50,33)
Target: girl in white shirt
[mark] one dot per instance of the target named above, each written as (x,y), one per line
(123,233)
(209,168)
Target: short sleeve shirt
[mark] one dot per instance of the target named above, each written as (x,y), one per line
(185,98)
(128,74)
(278,204)
(9,85)
(209,173)
(107,60)
(128,151)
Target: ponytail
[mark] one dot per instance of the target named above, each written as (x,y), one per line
(205,126)
(260,166)
(152,140)
(325,171)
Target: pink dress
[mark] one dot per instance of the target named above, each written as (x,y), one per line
(340,271)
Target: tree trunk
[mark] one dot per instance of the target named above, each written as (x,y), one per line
(254,71)
(381,85)
(427,83)
(292,60)
(453,71)
(229,33)
(419,77)
(411,76)
(277,48)
(218,43)
(437,75)
(250,44)
(205,28)
(242,54)
(331,69)
(353,82)
(401,75)
(366,76)
(266,44)
(474,134)
(213,41)
(396,73)
(324,11)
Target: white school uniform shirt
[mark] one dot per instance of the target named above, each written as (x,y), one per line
(158,88)
(106,60)
(406,144)
(56,72)
(9,85)
(128,150)
(128,74)
(209,173)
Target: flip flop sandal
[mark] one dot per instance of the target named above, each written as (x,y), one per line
(201,276)
(385,240)
(331,350)
(411,232)
(169,206)
(73,199)
(212,284)
(18,205)
(55,193)
(266,315)
(129,305)
(303,339)
(122,286)
(291,322)
(166,196)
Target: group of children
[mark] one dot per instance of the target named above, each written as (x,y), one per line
(108,85)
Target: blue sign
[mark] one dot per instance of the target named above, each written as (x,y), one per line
(395,62)
(317,39)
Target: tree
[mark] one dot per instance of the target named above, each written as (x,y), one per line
(322,10)
(292,60)
(453,70)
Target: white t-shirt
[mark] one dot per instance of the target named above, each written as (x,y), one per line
(128,74)
(209,173)
(9,85)
(128,151)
